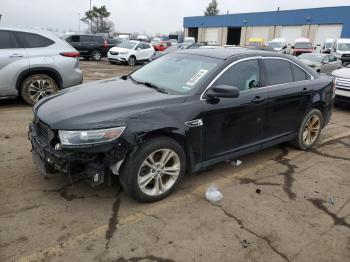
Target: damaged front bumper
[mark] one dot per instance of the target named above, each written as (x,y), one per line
(92,162)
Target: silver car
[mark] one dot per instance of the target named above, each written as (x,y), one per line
(35,63)
(322,63)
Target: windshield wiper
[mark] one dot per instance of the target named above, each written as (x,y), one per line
(151,85)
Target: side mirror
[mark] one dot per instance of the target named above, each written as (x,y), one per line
(285,47)
(224,91)
(325,62)
(138,49)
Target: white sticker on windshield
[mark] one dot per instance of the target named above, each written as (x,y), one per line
(197,77)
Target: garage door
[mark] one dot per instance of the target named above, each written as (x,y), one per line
(290,33)
(260,31)
(212,36)
(327,31)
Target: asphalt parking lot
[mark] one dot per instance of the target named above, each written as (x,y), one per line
(280,204)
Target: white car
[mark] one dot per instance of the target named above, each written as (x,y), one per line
(130,52)
(342,84)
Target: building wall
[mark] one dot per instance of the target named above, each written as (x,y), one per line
(314,16)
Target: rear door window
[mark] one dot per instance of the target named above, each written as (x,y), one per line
(30,40)
(278,71)
(8,40)
(243,75)
(299,74)
(85,38)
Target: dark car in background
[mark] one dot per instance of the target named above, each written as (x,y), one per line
(89,46)
(180,114)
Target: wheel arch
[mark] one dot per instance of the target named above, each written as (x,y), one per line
(322,107)
(178,137)
(39,70)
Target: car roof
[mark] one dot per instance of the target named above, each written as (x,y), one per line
(343,40)
(226,53)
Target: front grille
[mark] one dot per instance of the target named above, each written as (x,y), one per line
(342,83)
(43,131)
(345,55)
(113,53)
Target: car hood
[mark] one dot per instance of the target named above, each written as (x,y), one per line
(102,104)
(343,73)
(119,49)
(310,63)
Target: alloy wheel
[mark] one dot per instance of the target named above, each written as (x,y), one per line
(159,172)
(132,61)
(96,56)
(311,130)
(40,88)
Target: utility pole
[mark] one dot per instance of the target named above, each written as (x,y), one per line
(79,21)
(90,20)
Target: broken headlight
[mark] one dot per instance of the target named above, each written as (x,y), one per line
(86,137)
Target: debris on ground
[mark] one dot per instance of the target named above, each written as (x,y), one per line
(244,243)
(332,200)
(213,194)
(234,162)
(258,191)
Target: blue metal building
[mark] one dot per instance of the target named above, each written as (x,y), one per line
(318,24)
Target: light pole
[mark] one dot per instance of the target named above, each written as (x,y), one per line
(0,16)
(79,22)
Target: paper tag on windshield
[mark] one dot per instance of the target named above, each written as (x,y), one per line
(196,77)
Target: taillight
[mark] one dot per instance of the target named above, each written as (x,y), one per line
(70,54)
(105,44)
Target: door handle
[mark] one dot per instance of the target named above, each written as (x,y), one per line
(258,100)
(16,55)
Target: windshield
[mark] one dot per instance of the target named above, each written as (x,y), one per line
(328,45)
(344,47)
(275,44)
(312,57)
(127,45)
(303,45)
(177,73)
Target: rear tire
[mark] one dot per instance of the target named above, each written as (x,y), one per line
(142,174)
(96,55)
(310,130)
(36,87)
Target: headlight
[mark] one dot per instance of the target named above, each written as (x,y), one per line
(124,52)
(86,137)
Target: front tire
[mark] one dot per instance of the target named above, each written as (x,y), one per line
(36,87)
(154,170)
(310,130)
(132,61)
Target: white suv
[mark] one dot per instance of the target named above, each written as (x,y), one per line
(35,63)
(130,52)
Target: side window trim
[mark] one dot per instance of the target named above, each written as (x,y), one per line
(263,76)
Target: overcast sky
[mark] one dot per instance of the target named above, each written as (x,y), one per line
(151,16)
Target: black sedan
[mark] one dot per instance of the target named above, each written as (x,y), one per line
(180,114)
